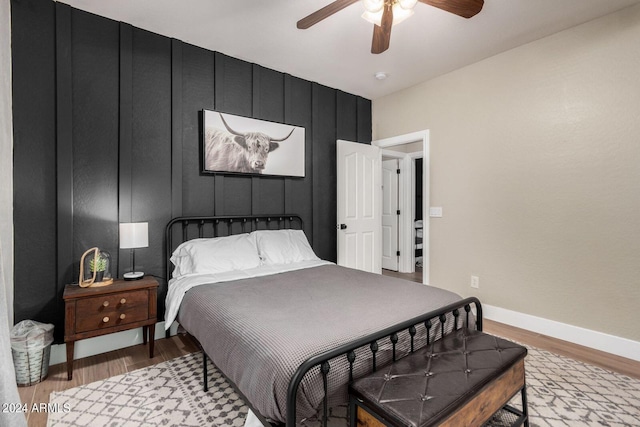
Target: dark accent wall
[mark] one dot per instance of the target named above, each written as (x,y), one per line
(107,129)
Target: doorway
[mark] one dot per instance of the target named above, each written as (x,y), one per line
(411,152)
(390,213)
(358,206)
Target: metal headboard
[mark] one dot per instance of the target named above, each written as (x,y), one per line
(219,226)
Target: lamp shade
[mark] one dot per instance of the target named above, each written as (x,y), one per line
(407,4)
(373,6)
(134,235)
(399,15)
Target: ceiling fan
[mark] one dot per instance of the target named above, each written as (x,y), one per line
(386,8)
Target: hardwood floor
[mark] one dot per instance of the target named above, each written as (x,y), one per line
(128,359)
(414,277)
(99,367)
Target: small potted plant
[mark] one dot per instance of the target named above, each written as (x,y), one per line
(98,265)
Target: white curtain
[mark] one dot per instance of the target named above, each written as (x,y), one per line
(8,388)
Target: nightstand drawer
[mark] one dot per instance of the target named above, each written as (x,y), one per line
(111,310)
(95,311)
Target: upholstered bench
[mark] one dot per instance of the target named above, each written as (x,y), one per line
(462,380)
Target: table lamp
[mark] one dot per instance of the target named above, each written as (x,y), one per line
(134,235)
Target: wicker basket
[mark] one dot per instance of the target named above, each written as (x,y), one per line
(31,349)
(31,366)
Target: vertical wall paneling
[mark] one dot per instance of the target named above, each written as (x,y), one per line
(299,191)
(95,52)
(234,80)
(198,76)
(125,137)
(33,52)
(115,136)
(125,142)
(233,92)
(365,126)
(219,195)
(323,130)
(346,116)
(176,127)
(151,147)
(268,94)
(268,104)
(64,152)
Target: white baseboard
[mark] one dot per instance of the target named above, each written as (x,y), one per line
(105,343)
(597,340)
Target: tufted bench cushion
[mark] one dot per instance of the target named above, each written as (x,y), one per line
(462,379)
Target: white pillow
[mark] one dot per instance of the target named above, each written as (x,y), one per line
(215,255)
(283,246)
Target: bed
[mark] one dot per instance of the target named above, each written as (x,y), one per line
(287,329)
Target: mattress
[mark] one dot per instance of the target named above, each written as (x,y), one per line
(258,330)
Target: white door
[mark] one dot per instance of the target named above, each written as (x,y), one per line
(390,214)
(359,205)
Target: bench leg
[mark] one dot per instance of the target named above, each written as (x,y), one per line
(353,412)
(525,408)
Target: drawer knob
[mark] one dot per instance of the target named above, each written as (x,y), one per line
(105,304)
(122,316)
(105,319)
(123,300)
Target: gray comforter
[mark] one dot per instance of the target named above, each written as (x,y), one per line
(258,331)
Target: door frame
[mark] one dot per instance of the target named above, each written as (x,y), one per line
(407,264)
(405,204)
(399,198)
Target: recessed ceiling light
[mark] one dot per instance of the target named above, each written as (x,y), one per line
(380,75)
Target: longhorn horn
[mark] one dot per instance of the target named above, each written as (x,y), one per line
(229,129)
(282,139)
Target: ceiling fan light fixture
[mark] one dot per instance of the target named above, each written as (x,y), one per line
(373,6)
(407,4)
(399,15)
(384,14)
(374,18)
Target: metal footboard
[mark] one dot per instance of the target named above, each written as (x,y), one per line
(323,360)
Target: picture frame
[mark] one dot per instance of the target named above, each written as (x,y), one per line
(234,144)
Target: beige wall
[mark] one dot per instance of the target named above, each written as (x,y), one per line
(6,160)
(535,158)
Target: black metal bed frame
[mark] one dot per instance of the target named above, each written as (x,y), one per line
(247,223)
(323,360)
(372,341)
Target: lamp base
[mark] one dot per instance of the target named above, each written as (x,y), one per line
(133,275)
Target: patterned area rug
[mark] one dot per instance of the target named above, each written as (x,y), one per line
(166,394)
(562,393)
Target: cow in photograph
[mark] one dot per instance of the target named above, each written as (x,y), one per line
(233,151)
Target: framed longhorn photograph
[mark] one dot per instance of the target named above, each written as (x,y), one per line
(239,145)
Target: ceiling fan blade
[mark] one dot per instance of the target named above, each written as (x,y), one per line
(464,8)
(382,33)
(323,13)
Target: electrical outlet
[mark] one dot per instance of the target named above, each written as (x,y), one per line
(475,282)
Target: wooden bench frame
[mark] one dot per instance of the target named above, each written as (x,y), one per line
(476,411)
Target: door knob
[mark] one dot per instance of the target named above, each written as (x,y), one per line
(343,226)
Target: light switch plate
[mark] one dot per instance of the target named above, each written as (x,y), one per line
(475,282)
(435,212)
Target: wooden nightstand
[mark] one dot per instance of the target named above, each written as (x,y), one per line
(91,312)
